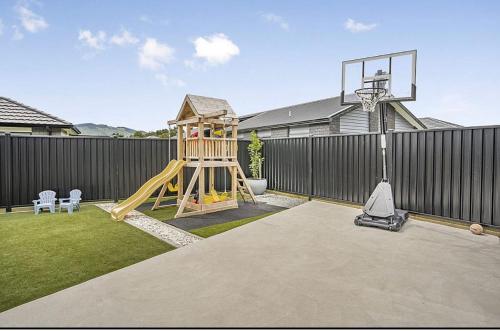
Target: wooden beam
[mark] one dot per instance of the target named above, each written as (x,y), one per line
(245,182)
(180,156)
(234,183)
(214,114)
(201,154)
(162,193)
(217,164)
(191,120)
(188,192)
(207,211)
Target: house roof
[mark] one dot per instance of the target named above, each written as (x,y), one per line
(434,123)
(247,116)
(304,112)
(15,113)
(315,111)
(199,106)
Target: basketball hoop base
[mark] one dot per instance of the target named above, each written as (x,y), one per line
(379,210)
(391,223)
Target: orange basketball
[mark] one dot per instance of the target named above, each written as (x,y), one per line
(476,229)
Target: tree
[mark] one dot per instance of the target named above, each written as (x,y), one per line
(139,134)
(256,159)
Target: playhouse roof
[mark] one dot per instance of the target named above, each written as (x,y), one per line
(195,105)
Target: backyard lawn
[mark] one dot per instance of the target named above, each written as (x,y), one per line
(42,254)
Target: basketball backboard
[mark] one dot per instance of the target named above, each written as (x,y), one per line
(395,72)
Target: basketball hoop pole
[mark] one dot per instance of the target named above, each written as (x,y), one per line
(383,141)
(379,210)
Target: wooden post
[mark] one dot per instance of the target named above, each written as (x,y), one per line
(201,153)
(180,156)
(211,170)
(184,201)
(234,182)
(234,142)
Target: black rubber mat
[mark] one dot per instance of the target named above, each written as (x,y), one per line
(245,210)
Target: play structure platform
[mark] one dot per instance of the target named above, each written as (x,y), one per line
(203,144)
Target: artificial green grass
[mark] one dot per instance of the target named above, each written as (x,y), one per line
(212,230)
(42,254)
(163,214)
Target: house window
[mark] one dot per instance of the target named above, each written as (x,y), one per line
(299,131)
(265,133)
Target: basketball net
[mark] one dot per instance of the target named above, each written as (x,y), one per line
(370,96)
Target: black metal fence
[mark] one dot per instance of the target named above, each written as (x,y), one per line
(448,173)
(102,168)
(451,173)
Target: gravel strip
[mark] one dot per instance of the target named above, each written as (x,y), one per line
(280,200)
(160,230)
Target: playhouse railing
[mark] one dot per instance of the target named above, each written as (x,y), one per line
(214,148)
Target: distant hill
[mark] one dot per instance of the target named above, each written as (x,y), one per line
(91,129)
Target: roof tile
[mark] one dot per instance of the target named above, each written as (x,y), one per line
(13,112)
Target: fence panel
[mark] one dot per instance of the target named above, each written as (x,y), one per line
(452,173)
(103,168)
(286,165)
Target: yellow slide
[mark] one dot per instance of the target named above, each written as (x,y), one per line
(172,169)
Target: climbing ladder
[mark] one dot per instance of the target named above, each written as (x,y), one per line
(243,186)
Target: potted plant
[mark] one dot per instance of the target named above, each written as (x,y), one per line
(257,183)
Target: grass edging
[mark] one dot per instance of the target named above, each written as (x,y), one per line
(212,230)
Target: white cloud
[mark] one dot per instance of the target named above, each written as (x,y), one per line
(276,19)
(17,35)
(124,39)
(215,49)
(95,41)
(356,27)
(30,21)
(166,81)
(1,27)
(154,55)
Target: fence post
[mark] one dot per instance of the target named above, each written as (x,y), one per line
(310,165)
(114,165)
(390,138)
(8,173)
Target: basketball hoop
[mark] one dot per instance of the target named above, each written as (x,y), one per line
(370,96)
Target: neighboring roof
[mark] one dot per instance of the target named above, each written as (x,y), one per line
(434,123)
(315,111)
(247,116)
(304,112)
(200,106)
(16,113)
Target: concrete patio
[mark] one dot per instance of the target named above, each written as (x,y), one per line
(306,266)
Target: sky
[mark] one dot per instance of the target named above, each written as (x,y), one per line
(130,63)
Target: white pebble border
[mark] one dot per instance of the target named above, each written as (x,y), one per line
(280,200)
(168,233)
(178,237)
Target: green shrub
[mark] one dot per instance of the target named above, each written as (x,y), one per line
(256,159)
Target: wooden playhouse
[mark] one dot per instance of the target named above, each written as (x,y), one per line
(203,142)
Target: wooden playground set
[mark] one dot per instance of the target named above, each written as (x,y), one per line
(203,144)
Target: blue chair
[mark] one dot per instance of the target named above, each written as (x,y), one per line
(47,200)
(71,203)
